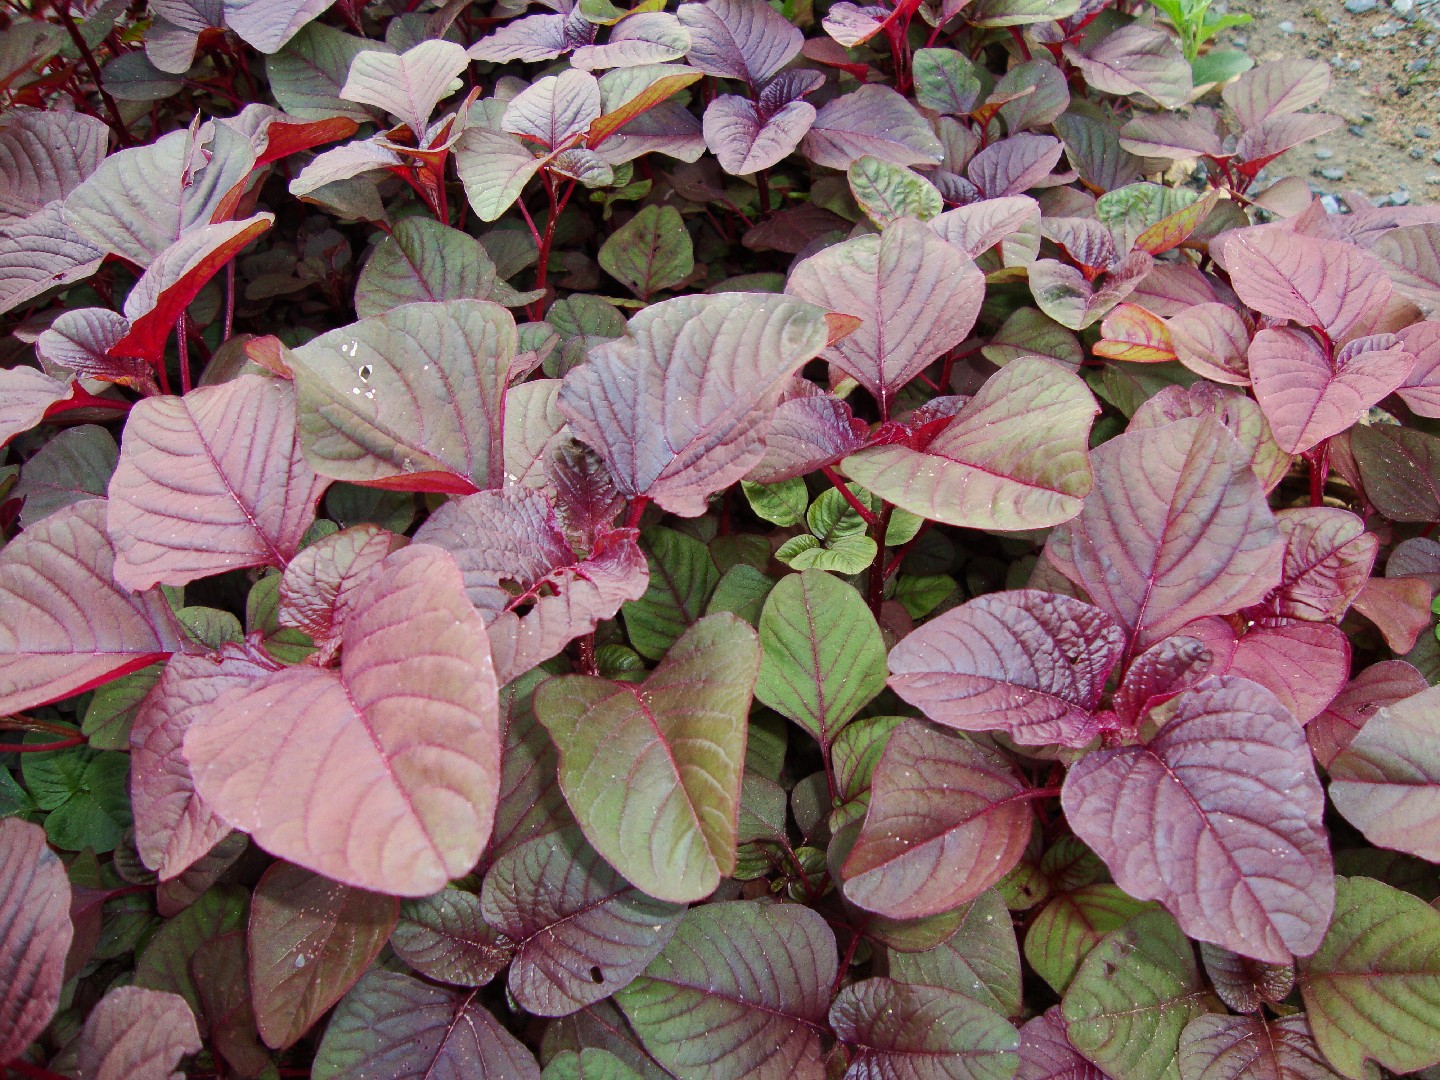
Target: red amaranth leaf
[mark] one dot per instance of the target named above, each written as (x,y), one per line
(1303,664)
(1376,687)
(383,774)
(44,155)
(40,253)
(136,1034)
(67,625)
(1328,558)
(25,396)
(1029,663)
(323,581)
(1046,1053)
(946,821)
(1252,1048)
(1218,818)
(739,39)
(35,935)
(80,339)
(210,482)
(1212,340)
(808,430)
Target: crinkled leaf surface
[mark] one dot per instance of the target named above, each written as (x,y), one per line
(35,934)
(945,823)
(872,120)
(44,155)
(582,932)
(1046,1052)
(1029,663)
(1071,925)
(1218,818)
(1175,529)
(703,1009)
(739,39)
(553,110)
(1411,254)
(1230,1047)
(677,408)
(210,482)
(445,937)
(323,581)
(25,395)
(408,86)
(68,625)
(412,399)
(423,260)
(41,252)
(1014,457)
(653,771)
(136,1034)
(309,939)
(383,774)
(1136,59)
(73,466)
(1328,557)
(745,138)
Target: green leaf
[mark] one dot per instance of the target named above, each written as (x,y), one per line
(1219,64)
(781,504)
(888,192)
(894,1026)
(981,960)
(946,81)
(164,964)
(741,591)
(653,772)
(588,1064)
(1133,996)
(682,579)
(209,626)
(849,555)
(920,594)
(1372,990)
(15,801)
(112,708)
(423,260)
(84,791)
(741,990)
(823,659)
(1071,925)
(650,252)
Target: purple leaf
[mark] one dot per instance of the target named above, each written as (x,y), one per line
(893,282)
(412,399)
(35,935)
(395,1025)
(40,253)
(535,38)
(1321,283)
(1170,135)
(310,940)
(1135,60)
(945,823)
(1328,558)
(872,120)
(209,482)
(704,1008)
(1246,985)
(745,140)
(269,24)
(808,430)
(531,803)
(322,583)
(382,775)
(25,396)
(173,825)
(1274,136)
(1421,389)
(1175,529)
(1085,242)
(1303,664)
(1160,673)
(678,739)
(1213,341)
(1014,457)
(850,25)
(80,340)
(1378,686)
(649,37)
(445,937)
(1046,1053)
(1068,297)
(582,931)
(555,109)
(73,466)
(1240,415)
(1277,88)
(739,39)
(1014,165)
(68,626)
(136,1034)
(1028,663)
(408,86)
(1241,859)
(714,414)
(45,155)
(917,1032)
(532,591)
(1253,1048)
(1040,92)
(1387,781)
(1411,255)
(978,227)
(586,501)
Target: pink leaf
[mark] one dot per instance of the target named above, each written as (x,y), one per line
(555,109)
(739,39)
(1163,671)
(1028,663)
(25,395)
(210,482)
(1218,818)
(1421,389)
(892,1027)
(1307,397)
(1328,558)
(137,1034)
(1014,165)
(1399,607)
(80,341)
(40,253)
(409,85)
(1303,664)
(1276,89)
(323,581)
(173,825)
(383,774)
(68,626)
(872,120)
(1046,1053)
(809,430)
(44,155)
(1135,59)
(1411,254)
(1376,687)
(945,823)
(35,935)
(1241,416)
(1176,528)
(1252,1047)
(978,227)
(1213,341)
(745,140)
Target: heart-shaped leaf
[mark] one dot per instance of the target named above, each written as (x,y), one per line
(1221,1047)
(1257,879)
(1029,663)
(1135,59)
(582,931)
(412,399)
(739,39)
(1328,557)
(745,139)
(309,939)
(1014,457)
(894,283)
(679,741)
(423,260)
(1276,88)
(823,658)
(445,937)
(947,820)
(136,1034)
(703,1010)
(1175,529)
(35,934)
(408,725)
(1069,927)
(555,109)
(650,252)
(50,650)
(872,120)
(323,581)
(1212,340)
(714,413)
(391,1024)
(210,482)
(407,86)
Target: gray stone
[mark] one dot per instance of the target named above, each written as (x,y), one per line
(1435,157)
(1356,130)
(1415,67)
(1286,27)
(1368,117)
(1240,41)
(1400,197)
(1330,203)
(1433,178)
(1352,65)
(1423,131)
(1360,7)
(1323,153)
(1335,172)
(1403,8)
(1417,152)
(1385,30)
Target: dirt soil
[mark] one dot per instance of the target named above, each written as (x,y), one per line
(1384,56)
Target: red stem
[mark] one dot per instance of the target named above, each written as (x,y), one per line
(24,1068)
(586,649)
(875,581)
(229,300)
(636,512)
(117,123)
(1319,460)
(63,744)
(866,514)
(184,348)
(904,549)
(845,961)
(762,187)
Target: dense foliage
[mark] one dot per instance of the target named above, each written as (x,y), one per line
(743,540)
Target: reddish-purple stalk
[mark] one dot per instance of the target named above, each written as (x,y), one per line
(585,649)
(904,548)
(866,514)
(855,937)
(184,349)
(1319,462)
(116,122)
(24,1068)
(636,511)
(543,241)
(38,748)
(875,580)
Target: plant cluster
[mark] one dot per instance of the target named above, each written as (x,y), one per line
(741,540)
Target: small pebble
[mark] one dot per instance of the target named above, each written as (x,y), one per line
(1287,27)
(1352,65)
(1356,130)
(1368,117)
(1323,153)
(1400,197)
(1335,172)
(1415,67)
(1435,157)
(1423,131)
(1402,8)
(1433,178)
(1240,41)
(1417,152)
(1360,7)
(1385,30)
(1330,203)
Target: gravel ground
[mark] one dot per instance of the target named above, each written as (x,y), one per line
(1385,57)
